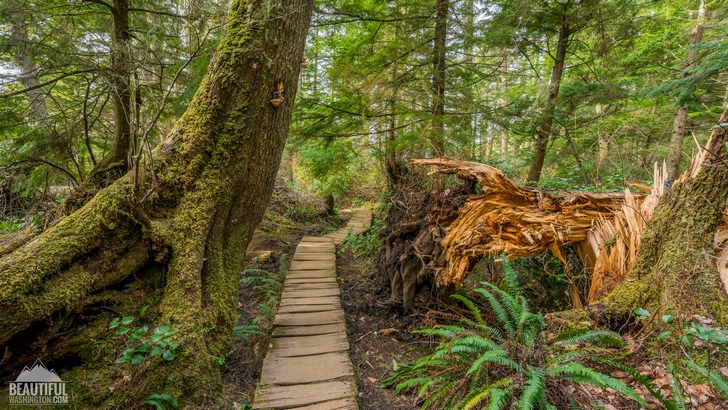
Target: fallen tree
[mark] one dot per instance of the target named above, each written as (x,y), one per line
(191,210)
(443,243)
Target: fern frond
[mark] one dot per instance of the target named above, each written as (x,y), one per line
(492,356)
(605,337)
(716,380)
(477,341)
(497,395)
(498,399)
(514,288)
(585,375)
(483,328)
(500,312)
(641,379)
(442,331)
(511,302)
(440,394)
(471,307)
(533,389)
(677,392)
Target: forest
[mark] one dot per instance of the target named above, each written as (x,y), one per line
(547,179)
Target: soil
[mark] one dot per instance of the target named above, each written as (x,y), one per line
(380,335)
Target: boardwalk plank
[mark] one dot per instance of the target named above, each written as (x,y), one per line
(309,345)
(306,369)
(309,318)
(309,330)
(289,397)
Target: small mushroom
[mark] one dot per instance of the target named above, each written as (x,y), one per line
(278,95)
(304,62)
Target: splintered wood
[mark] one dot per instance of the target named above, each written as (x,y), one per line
(506,218)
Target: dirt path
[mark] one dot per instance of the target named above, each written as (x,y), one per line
(307,365)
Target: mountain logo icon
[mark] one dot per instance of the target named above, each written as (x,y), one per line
(38,373)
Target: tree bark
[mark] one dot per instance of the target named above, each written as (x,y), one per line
(28,70)
(503,103)
(675,271)
(543,135)
(602,139)
(438,78)
(392,165)
(207,186)
(681,114)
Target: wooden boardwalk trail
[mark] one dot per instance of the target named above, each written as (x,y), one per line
(307,365)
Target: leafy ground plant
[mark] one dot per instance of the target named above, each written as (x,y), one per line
(160,401)
(139,346)
(269,286)
(479,366)
(366,244)
(701,347)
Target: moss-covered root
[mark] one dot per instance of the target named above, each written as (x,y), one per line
(675,269)
(94,248)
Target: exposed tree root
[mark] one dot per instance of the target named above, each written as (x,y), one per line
(411,254)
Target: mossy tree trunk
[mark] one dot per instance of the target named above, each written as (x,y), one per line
(203,193)
(675,270)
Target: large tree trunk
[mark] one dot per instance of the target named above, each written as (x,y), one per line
(28,69)
(681,114)
(438,78)
(543,135)
(675,270)
(205,191)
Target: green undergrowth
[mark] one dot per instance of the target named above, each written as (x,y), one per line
(367,244)
(693,352)
(511,362)
(269,287)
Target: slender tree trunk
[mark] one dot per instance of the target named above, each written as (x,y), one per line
(543,135)
(438,78)
(675,270)
(503,102)
(121,70)
(117,160)
(206,189)
(391,162)
(681,114)
(28,70)
(601,139)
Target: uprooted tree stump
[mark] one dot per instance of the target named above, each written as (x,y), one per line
(437,237)
(411,255)
(681,260)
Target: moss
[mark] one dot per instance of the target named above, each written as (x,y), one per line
(569,320)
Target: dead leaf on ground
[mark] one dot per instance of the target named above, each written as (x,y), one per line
(386,332)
